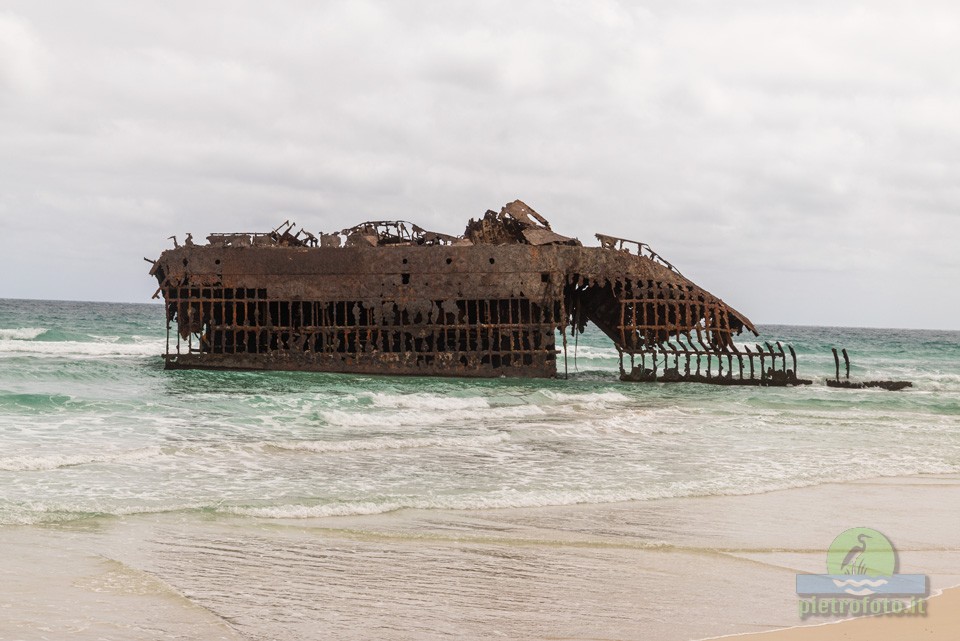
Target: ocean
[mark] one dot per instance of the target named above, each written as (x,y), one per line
(91,426)
(141,504)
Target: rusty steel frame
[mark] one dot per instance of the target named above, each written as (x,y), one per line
(391,298)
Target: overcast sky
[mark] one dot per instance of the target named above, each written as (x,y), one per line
(799,159)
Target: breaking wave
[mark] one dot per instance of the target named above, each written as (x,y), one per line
(21,333)
(375,444)
(487,501)
(98,349)
(423,401)
(423,416)
(56,461)
(591,353)
(585,397)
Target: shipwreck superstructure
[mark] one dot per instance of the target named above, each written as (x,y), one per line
(389,297)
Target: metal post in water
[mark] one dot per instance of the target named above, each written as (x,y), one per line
(686,357)
(846,360)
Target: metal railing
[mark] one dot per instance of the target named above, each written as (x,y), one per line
(642,249)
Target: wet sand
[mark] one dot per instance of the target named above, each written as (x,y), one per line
(58,585)
(942,623)
(670,569)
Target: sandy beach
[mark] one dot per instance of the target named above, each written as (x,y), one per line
(670,569)
(942,623)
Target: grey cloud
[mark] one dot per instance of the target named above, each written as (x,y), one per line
(801,160)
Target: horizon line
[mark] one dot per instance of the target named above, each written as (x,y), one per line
(769,324)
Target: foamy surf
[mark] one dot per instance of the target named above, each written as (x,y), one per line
(585,397)
(21,333)
(504,499)
(74,349)
(427,416)
(90,424)
(24,463)
(376,444)
(42,512)
(589,353)
(425,401)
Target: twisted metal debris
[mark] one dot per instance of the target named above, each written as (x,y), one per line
(846,383)
(390,297)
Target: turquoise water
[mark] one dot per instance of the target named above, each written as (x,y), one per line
(91,424)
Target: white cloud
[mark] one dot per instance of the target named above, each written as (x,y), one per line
(755,144)
(22,58)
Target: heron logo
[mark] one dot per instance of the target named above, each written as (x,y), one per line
(861,563)
(861,553)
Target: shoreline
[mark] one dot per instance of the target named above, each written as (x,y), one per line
(667,569)
(940,623)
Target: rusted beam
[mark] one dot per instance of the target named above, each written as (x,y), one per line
(391,297)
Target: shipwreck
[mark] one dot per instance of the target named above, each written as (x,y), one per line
(388,297)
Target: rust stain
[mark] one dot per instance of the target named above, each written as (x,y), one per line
(391,297)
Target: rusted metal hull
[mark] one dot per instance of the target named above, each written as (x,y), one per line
(465,311)
(892,386)
(425,303)
(718,380)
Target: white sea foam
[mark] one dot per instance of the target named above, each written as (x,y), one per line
(591,353)
(25,463)
(21,333)
(73,349)
(588,397)
(639,423)
(384,443)
(315,511)
(34,512)
(85,505)
(421,417)
(424,401)
(472,502)
(259,449)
